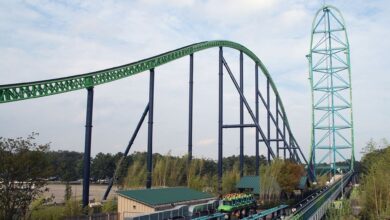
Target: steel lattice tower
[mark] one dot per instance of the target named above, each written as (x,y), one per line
(330,78)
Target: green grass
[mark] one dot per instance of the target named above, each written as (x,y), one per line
(48,213)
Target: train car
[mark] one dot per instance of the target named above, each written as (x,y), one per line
(237,205)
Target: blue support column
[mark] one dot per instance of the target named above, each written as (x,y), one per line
(257,117)
(190,107)
(87,149)
(277,126)
(241,115)
(284,135)
(268,122)
(150,131)
(220,120)
(111,183)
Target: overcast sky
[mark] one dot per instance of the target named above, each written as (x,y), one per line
(48,39)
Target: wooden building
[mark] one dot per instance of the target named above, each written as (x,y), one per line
(141,201)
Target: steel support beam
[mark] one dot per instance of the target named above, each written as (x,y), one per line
(190,107)
(87,149)
(284,144)
(240,126)
(268,122)
(269,115)
(247,106)
(274,140)
(257,117)
(220,119)
(277,125)
(135,133)
(150,131)
(241,115)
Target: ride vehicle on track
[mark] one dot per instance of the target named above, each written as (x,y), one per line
(237,205)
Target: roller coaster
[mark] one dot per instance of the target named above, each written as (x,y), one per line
(279,143)
(285,140)
(238,204)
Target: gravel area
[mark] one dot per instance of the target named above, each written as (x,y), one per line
(96,192)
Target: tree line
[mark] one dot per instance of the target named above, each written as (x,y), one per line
(67,166)
(27,167)
(374,189)
(370,199)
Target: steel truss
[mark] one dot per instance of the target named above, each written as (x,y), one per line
(330,80)
(281,141)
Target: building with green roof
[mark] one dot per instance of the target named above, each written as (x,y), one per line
(141,201)
(249,184)
(303,183)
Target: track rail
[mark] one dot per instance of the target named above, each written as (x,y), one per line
(315,206)
(37,89)
(29,90)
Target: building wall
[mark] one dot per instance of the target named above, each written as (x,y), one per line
(128,207)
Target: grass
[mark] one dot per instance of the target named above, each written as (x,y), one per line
(49,213)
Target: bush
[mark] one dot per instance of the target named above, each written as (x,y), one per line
(110,206)
(48,212)
(73,208)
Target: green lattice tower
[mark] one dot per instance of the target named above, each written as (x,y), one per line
(330,78)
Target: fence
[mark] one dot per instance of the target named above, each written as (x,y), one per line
(99,216)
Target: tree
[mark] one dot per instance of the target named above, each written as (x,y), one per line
(375,184)
(289,176)
(67,165)
(68,191)
(103,166)
(23,170)
(269,186)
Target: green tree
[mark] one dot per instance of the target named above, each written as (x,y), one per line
(230,178)
(68,191)
(103,166)
(73,208)
(375,187)
(66,164)
(269,186)
(110,206)
(23,170)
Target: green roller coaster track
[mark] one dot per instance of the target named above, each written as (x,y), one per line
(29,90)
(37,89)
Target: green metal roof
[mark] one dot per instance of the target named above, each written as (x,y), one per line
(161,196)
(249,182)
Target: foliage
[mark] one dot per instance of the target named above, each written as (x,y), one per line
(103,165)
(230,179)
(68,191)
(66,165)
(23,170)
(200,174)
(73,208)
(321,180)
(48,212)
(110,206)
(269,186)
(340,210)
(136,173)
(375,187)
(290,175)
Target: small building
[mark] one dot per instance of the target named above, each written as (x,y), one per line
(250,184)
(304,183)
(302,186)
(142,201)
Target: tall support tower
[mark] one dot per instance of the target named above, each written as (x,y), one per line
(332,144)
